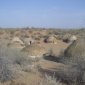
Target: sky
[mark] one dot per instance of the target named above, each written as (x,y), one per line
(42,13)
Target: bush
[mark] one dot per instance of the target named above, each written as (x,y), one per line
(11,61)
(70,75)
(74,56)
(48,80)
(21,59)
(76,48)
(5,72)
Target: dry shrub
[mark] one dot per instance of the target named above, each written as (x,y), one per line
(49,80)
(76,51)
(11,61)
(5,72)
(74,56)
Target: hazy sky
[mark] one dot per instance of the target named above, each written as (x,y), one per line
(42,13)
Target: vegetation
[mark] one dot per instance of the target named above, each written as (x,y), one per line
(76,51)
(9,58)
(74,56)
(5,72)
(49,80)
(15,63)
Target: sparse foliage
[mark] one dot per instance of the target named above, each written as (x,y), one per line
(49,80)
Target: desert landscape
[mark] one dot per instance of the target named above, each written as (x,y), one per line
(42,42)
(33,56)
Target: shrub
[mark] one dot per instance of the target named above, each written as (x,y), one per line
(70,75)
(5,72)
(49,80)
(76,49)
(74,56)
(11,60)
(21,59)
